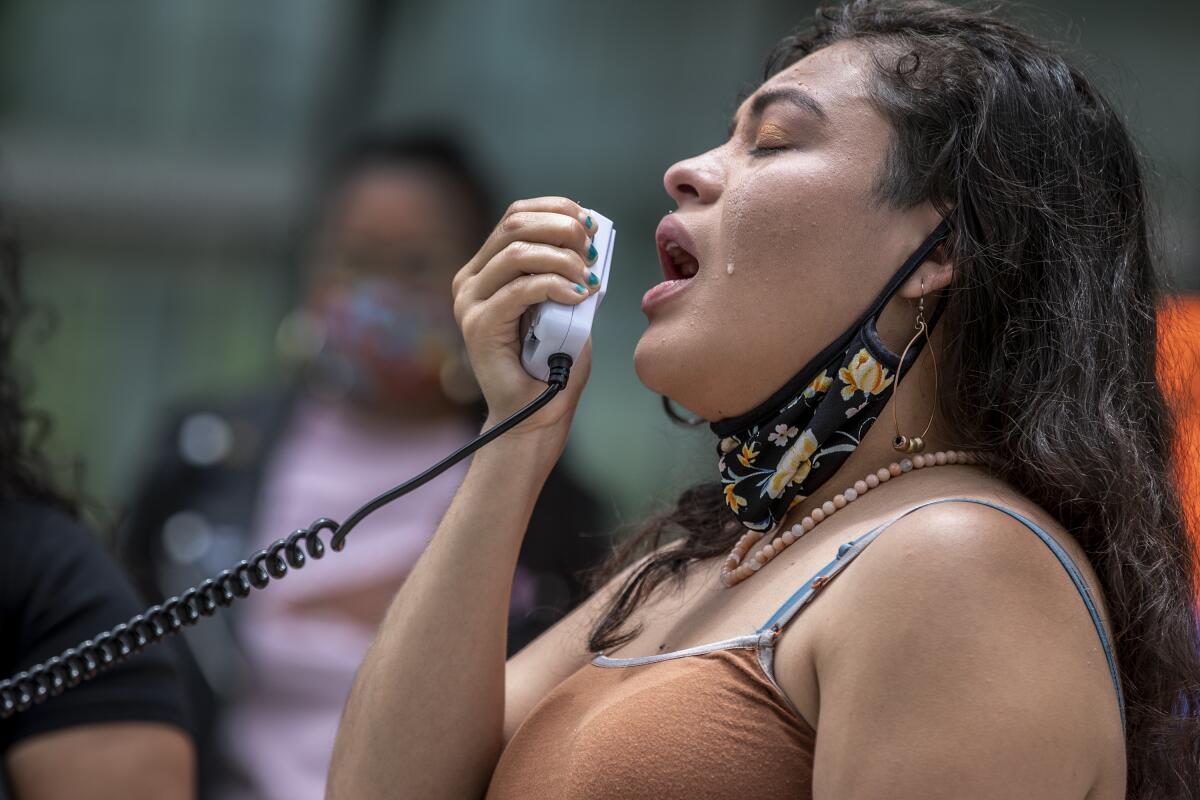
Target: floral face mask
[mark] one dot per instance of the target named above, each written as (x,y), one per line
(773,457)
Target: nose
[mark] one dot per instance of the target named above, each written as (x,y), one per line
(697,178)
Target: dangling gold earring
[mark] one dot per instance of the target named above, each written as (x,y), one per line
(914,444)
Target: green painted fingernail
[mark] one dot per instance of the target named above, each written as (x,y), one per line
(592,251)
(579,288)
(592,279)
(587,223)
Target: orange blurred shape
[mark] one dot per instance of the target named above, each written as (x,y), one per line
(1179,376)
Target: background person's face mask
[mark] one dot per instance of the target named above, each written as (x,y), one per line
(773,457)
(385,343)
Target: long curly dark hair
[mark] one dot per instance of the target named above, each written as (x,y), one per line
(1051,336)
(23,471)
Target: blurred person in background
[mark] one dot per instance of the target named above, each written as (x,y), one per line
(385,392)
(123,734)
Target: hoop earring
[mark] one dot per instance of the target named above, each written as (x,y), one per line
(914,444)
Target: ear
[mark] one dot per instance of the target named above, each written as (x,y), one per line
(934,274)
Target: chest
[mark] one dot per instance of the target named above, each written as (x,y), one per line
(691,727)
(703,611)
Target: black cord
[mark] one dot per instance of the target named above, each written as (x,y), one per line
(89,658)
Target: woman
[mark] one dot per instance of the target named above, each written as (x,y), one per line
(1019,626)
(122,735)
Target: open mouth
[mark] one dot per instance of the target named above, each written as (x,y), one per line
(678,263)
(677,254)
(676,250)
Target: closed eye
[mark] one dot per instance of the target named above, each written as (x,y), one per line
(766,151)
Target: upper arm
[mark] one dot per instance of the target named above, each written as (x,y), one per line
(965,665)
(126,760)
(554,655)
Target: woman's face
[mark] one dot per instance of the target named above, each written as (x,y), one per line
(789,241)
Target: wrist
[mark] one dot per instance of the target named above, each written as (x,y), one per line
(534,431)
(538,447)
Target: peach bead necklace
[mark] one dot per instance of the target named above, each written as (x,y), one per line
(738,568)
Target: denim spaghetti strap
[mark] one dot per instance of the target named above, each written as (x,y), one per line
(848,551)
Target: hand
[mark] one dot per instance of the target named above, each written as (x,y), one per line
(538,251)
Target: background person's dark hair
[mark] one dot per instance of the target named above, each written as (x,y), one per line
(23,470)
(432,148)
(1050,336)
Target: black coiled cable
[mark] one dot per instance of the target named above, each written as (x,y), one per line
(89,658)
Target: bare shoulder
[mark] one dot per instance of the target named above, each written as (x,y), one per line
(976,562)
(962,542)
(959,646)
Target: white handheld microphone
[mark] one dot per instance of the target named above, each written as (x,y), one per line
(550,327)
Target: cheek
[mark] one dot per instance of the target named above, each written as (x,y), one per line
(804,236)
(792,218)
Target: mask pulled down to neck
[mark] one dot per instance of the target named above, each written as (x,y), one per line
(773,457)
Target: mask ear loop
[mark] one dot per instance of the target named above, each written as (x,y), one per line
(914,444)
(680,419)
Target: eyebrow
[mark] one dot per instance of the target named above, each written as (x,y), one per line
(797,97)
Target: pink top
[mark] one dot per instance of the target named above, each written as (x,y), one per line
(302,663)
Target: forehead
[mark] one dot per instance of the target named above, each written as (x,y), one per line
(835,76)
(394,201)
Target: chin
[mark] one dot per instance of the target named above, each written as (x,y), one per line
(647,363)
(672,371)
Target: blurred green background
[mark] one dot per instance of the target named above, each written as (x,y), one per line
(158,154)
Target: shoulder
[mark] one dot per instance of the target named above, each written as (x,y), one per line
(44,544)
(963,542)
(960,641)
(20,514)
(62,582)
(63,589)
(967,571)
(969,558)
(32,532)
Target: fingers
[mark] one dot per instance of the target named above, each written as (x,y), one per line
(495,315)
(555,221)
(529,258)
(567,224)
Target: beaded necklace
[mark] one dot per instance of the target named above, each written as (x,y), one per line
(738,568)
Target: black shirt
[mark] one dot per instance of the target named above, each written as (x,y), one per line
(58,588)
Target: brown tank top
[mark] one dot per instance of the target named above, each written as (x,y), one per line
(705,725)
(705,722)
